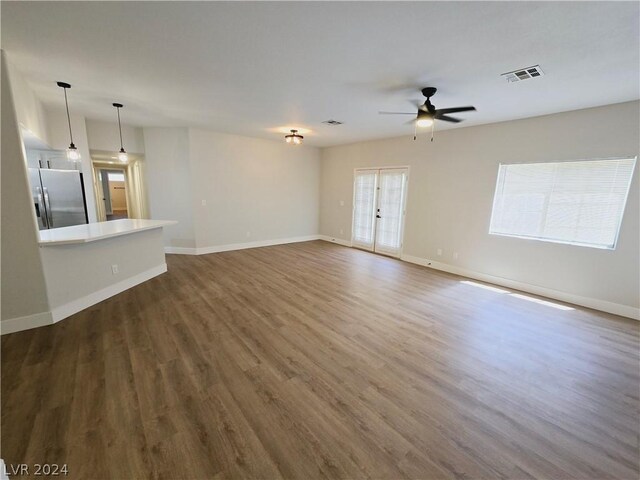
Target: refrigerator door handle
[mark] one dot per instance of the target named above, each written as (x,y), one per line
(41,211)
(47,206)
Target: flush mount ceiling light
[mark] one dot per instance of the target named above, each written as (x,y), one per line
(72,152)
(122,154)
(294,138)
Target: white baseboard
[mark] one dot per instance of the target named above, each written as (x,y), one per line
(596,304)
(602,305)
(180,250)
(68,309)
(28,322)
(238,246)
(339,241)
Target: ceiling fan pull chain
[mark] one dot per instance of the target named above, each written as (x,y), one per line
(433,126)
(415,131)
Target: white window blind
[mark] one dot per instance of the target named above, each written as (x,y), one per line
(579,202)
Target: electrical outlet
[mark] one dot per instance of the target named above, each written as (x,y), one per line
(341,232)
(248,234)
(204,203)
(455,255)
(114,269)
(439,252)
(342,203)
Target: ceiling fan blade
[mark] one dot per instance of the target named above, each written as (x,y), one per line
(448,119)
(397,113)
(455,109)
(410,122)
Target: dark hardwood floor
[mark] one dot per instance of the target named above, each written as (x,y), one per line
(313,360)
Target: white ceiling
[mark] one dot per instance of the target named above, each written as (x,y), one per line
(251,68)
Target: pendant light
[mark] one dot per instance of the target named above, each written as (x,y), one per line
(122,155)
(72,152)
(294,138)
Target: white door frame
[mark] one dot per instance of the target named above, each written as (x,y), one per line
(98,168)
(404,208)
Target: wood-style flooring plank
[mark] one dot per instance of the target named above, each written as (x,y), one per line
(315,361)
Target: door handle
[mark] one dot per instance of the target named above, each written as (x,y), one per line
(40,210)
(378,216)
(47,206)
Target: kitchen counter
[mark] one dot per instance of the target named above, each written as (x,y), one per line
(92,232)
(86,264)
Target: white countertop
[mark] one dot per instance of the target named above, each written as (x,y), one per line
(91,232)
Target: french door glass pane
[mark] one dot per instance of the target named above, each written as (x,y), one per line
(389,224)
(364,207)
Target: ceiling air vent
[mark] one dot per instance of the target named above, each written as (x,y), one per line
(332,122)
(523,74)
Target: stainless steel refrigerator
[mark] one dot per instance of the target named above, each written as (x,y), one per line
(58,197)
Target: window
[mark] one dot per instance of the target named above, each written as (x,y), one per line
(115,177)
(580,203)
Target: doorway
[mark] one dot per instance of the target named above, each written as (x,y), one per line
(119,187)
(114,193)
(379,199)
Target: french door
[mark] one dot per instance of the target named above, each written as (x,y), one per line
(379,197)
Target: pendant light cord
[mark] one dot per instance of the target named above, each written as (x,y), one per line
(68,117)
(120,129)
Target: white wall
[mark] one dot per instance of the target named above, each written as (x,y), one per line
(24,294)
(169,188)
(451,187)
(80,275)
(254,190)
(105,136)
(29,110)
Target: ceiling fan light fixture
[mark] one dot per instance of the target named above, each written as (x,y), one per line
(428,113)
(424,122)
(293,138)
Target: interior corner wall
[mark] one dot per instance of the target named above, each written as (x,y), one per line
(251,190)
(58,133)
(169,183)
(105,136)
(229,191)
(30,112)
(24,291)
(450,196)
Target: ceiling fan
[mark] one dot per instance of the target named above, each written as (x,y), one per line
(428,113)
